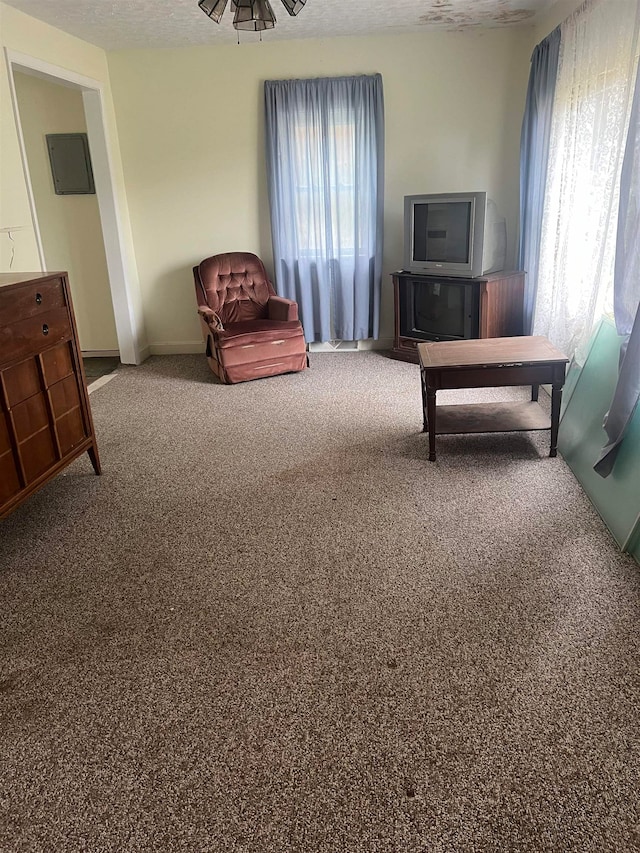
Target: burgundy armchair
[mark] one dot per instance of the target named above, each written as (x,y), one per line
(249,331)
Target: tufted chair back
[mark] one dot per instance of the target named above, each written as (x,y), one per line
(236,286)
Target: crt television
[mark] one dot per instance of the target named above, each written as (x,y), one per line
(453,234)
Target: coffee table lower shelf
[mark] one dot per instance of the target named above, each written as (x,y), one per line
(491,417)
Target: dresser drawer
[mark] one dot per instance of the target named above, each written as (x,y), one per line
(34,334)
(31,300)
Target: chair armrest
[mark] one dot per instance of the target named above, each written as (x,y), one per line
(210,317)
(279,308)
(208,314)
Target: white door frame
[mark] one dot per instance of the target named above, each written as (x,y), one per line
(127,319)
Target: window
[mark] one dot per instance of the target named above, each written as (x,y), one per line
(324,155)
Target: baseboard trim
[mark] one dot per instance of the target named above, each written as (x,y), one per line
(100,353)
(180,348)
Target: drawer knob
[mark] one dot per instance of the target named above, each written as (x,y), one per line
(45,329)
(39,298)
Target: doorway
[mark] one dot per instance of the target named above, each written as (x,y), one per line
(69,223)
(125,313)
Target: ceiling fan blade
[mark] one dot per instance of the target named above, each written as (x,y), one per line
(213,8)
(293,6)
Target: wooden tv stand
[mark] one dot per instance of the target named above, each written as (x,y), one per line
(499,298)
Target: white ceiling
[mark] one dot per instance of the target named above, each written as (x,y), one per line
(124,24)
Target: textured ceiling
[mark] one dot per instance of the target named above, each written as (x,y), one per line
(123,24)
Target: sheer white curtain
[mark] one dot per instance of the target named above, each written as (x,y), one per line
(594,89)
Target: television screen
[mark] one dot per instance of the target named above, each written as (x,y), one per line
(442,232)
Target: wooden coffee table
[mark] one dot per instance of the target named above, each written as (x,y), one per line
(487,363)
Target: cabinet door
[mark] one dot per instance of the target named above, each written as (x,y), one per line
(22,381)
(67,413)
(33,434)
(501,306)
(57,363)
(9,480)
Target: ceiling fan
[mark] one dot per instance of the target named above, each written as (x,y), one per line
(255,15)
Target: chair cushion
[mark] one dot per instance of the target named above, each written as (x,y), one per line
(241,310)
(252,332)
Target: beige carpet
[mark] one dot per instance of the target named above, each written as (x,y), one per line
(272,625)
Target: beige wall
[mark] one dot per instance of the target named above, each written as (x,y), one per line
(22,33)
(192,141)
(14,204)
(25,35)
(70,226)
(191,133)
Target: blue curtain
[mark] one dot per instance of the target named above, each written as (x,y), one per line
(626,285)
(325,171)
(534,155)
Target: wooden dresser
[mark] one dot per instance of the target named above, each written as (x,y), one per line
(45,419)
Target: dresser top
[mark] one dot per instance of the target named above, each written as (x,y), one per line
(8,278)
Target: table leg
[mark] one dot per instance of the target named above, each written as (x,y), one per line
(556,399)
(534,393)
(423,385)
(431,421)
